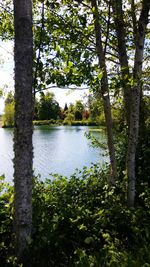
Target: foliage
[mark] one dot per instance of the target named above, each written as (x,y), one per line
(95,142)
(6,20)
(1,92)
(69,119)
(65,107)
(78,110)
(6,224)
(46,122)
(96,112)
(8,117)
(81,221)
(142,158)
(74,112)
(48,107)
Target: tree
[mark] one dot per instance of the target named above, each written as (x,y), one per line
(104,89)
(85,114)
(132,80)
(122,52)
(8,117)
(91,43)
(48,107)
(69,118)
(95,106)
(65,107)
(9,98)
(36,109)
(23,151)
(104,32)
(78,110)
(6,26)
(74,54)
(136,99)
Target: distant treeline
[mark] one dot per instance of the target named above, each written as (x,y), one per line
(48,111)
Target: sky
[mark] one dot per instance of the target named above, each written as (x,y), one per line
(7,79)
(6,69)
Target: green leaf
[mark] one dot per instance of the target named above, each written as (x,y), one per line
(70,64)
(82,227)
(100,75)
(89,240)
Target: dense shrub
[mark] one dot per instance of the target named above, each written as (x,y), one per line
(6,224)
(81,221)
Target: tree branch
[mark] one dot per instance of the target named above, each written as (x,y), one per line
(134,20)
(107,31)
(9,12)
(64,88)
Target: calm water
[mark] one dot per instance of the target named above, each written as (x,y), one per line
(57,149)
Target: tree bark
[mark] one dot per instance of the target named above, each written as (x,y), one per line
(23,150)
(104,91)
(135,102)
(123,58)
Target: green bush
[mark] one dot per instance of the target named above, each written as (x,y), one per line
(8,117)
(84,222)
(81,221)
(6,224)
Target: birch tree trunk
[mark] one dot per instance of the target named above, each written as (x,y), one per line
(23,150)
(104,91)
(135,102)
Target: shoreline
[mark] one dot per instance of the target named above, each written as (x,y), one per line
(58,123)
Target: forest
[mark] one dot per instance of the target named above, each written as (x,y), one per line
(99,216)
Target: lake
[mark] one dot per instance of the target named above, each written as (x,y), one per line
(57,149)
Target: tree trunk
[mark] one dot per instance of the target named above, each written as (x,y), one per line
(135,102)
(104,91)
(123,58)
(23,150)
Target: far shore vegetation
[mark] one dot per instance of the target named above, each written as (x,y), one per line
(48,112)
